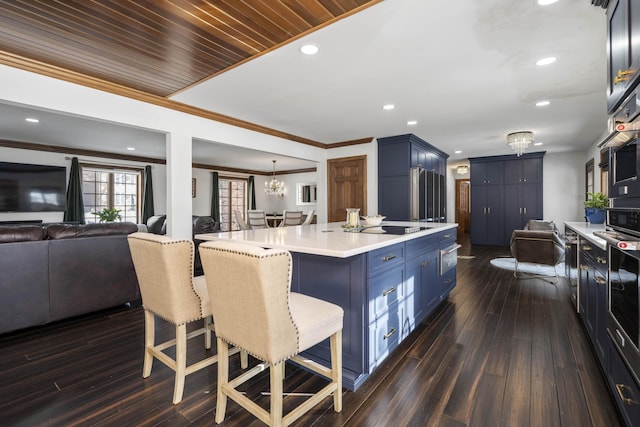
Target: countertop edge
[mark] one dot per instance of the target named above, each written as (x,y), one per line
(260,237)
(586,230)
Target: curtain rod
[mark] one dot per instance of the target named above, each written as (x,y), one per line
(102,163)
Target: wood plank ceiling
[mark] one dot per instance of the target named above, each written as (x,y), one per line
(154,47)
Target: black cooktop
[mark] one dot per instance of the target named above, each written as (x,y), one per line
(392,229)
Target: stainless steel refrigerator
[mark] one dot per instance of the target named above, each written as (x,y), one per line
(427,196)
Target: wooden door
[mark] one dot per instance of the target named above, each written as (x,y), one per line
(346,186)
(463,208)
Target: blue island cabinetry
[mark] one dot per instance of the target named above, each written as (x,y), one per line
(385,293)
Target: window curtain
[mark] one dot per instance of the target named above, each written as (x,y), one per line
(215,197)
(75,206)
(252,192)
(147,201)
(306,197)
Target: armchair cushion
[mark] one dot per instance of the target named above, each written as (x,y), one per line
(540,225)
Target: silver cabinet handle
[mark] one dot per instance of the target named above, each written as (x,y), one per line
(601,260)
(389,291)
(388,258)
(391,332)
(424,263)
(525,209)
(489,210)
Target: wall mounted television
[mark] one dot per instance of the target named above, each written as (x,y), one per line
(32,188)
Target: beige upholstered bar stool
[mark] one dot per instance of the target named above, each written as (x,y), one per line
(255,311)
(164,269)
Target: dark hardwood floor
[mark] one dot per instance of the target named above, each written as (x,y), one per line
(499,352)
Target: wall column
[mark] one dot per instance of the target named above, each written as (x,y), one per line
(179,184)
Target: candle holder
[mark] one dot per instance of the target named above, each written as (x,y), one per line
(353,217)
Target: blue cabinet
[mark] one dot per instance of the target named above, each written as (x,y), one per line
(396,156)
(384,293)
(506,192)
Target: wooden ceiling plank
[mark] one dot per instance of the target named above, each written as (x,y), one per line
(313,12)
(252,14)
(216,16)
(202,48)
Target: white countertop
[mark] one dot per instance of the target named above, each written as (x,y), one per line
(325,239)
(586,230)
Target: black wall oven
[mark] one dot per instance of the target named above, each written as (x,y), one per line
(625,170)
(624,305)
(623,314)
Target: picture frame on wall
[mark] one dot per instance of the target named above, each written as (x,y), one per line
(193,187)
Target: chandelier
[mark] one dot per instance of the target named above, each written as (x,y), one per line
(274,187)
(519,141)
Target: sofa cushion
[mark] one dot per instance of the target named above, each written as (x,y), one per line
(70,231)
(21,233)
(157,224)
(204,224)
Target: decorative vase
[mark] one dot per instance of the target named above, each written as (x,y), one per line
(595,215)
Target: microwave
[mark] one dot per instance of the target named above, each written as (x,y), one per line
(624,170)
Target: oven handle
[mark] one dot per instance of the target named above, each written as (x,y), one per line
(451,249)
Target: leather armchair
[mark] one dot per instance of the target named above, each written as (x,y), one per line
(537,247)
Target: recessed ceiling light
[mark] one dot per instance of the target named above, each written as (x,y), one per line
(31,120)
(537,143)
(546,61)
(542,103)
(131,148)
(388,107)
(457,152)
(412,122)
(546,2)
(309,49)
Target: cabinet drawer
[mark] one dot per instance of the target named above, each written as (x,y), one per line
(624,389)
(447,283)
(447,238)
(385,258)
(384,335)
(417,247)
(385,290)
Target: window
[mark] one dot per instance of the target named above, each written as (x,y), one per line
(233,195)
(104,187)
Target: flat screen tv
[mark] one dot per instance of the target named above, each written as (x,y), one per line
(32,188)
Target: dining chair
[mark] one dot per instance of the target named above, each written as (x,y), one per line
(257,218)
(309,217)
(291,218)
(240,221)
(255,310)
(164,268)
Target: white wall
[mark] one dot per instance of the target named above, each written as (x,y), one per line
(563,187)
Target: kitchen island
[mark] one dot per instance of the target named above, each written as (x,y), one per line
(387,283)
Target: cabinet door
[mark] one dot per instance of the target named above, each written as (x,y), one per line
(618,48)
(487,173)
(393,197)
(487,215)
(523,171)
(522,203)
